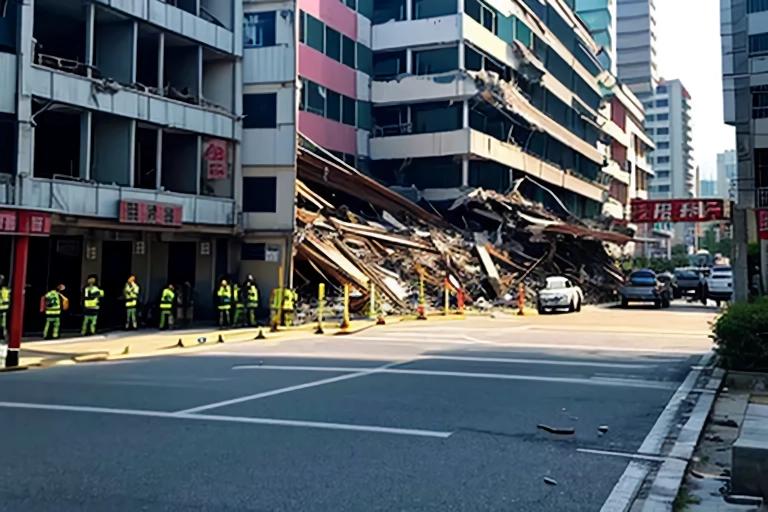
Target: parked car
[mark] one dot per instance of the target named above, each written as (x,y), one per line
(719,284)
(559,293)
(644,286)
(689,281)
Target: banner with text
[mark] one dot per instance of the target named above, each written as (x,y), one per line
(679,210)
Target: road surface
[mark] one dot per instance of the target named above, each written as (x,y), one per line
(419,416)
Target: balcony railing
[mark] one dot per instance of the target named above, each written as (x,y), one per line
(103,201)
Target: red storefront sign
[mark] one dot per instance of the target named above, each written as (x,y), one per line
(762,223)
(153,214)
(7,221)
(679,210)
(215,156)
(25,222)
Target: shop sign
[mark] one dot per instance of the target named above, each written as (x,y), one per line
(215,157)
(25,222)
(8,222)
(150,214)
(679,210)
(762,223)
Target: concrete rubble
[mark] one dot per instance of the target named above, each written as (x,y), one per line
(353,230)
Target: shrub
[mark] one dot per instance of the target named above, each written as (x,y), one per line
(741,335)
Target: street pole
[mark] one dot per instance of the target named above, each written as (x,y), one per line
(21,252)
(739,252)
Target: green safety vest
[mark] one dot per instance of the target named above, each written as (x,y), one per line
(253,296)
(225,297)
(53,303)
(5,298)
(131,294)
(93,295)
(236,291)
(166,299)
(289,298)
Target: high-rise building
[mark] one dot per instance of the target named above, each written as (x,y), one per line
(707,188)
(636,46)
(600,17)
(726,175)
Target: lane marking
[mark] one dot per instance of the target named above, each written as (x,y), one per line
(632,383)
(360,372)
(601,348)
(229,419)
(638,456)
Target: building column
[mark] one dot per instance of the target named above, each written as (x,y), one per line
(198,164)
(90,29)
(409,60)
(409,14)
(18,285)
(465,171)
(465,114)
(159,160)
(161,64)
(86,130)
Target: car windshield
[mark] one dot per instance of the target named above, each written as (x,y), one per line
(643,277)
(555,285)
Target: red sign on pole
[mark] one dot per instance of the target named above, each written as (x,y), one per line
(215,156)
(679,210)
(762,223)
(154,214)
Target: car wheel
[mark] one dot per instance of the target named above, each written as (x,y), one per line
(541,309)
(717,303)
(572,306)
(578,305)
(658,304)
(624,303)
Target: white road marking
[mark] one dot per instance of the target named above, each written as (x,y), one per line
(638,456)
(360,372)
(633,383)
(228,419)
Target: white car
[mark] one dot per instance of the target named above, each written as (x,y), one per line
(719,284)
(559,293)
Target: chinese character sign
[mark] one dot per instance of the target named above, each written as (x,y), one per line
(679,210)
(7,222)
(215,157)
(762,223)
(154,214)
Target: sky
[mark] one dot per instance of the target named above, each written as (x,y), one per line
(688,48)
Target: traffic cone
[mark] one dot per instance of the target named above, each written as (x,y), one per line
(380,320)
(421,316)
(127,350)
(260,336)
(180,344)
(221,339)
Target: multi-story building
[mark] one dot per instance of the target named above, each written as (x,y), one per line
(119,136)
(636,46)
(726,175)
(707,188)
(600,16)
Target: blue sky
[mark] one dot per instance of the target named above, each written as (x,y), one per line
(688,48)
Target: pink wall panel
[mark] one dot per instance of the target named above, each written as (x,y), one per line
(327,72)
(334,14)
(328,134)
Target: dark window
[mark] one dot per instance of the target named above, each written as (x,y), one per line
(364,115)
(332,44)
(315,34)
(662,160)
(365,7)
(315,98)
(662,103)
(662,117)
(333,108)
(757,6)
(348,52)
(388,10)
(387,65)
(662,145)
(260,195)
(302,27)
(523,33)
(253,252)
(260,110)
(436,117)
(430,62)
(348,111)
(473,60)
(258,29)
(352,4)
(662,131)
(364,59)
(661,89)
(433,8)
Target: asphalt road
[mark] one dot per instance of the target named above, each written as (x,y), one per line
(432,416)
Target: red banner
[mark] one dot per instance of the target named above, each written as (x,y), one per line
(7,221)
(154,214)
(215,156)
(762,223)
(679,210)
(25,222)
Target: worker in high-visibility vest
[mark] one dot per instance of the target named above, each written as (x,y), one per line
(290,298)
(92,296)
(251,299)
(5,305)
(167,300)
(52,304)
(239,300)
(224,296)
(131,297)
(275,303)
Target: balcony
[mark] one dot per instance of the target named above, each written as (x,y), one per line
(103,201)
(454,85)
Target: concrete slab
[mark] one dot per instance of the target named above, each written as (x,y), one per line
(750,454)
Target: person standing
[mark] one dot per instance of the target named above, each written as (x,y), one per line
(5,304)
(239,299)
(52,304)
(251,299)
(92,296)
(131,296)
(224,296)
(167,298)
(290,298)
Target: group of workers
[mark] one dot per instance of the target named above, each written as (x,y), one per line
(244,299)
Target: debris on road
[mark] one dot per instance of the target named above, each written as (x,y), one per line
(603,429)
(549,481)
(553,430)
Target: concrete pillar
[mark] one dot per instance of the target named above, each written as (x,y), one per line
(161,64)
(409,60)
(159,160)
(90,30)
(198,164)
(465,114)
(409,14)
(86,130)
(465,171)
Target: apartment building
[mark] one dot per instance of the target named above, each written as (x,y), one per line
(636,46)
(601,17)
(119,145)
(726,184)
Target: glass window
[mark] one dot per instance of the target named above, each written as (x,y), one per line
(316,98)
(662,160)
(333,106)
(663,117)
(365,7)
(430,62)
(258,29)
(364,115)
(661,89)
(662,131)
(302,27)
(315,37)
(388,10)
(663,188)
(662,145)
(364,59)
(489,19)
(662,103)
(650,118)
(260,110)
(473,61)
(662,174)
(260,194)
(523,33)
(348,111)
(387,65)
(433,8)
(757,6)
(436,117)
(352,4)
(348,52)
(758,43)
(332,44)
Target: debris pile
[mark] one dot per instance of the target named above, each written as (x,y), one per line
(352,230)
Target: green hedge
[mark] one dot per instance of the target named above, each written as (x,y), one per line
(741,335)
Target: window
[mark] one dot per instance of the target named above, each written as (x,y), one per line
(430,62)
(662,160)
(315,36)
(433,8)
(662,145)
(348,52)
(662,103)
(253,252)
(661,89)
(662,131)
(662,117)
(758,43)
(364,59)
(662,174)
(258,29)
(364,115)
(650,118)
(260,110)
(365,8)
(663,188)
(757,6)
(352,4)
(333,106)
(436,117)
(387,65)
(348,109)
(316,95)
(388,10)
(333,44)
(260,195)
(523,33)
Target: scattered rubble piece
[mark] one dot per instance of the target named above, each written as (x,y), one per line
(353,230)
(725,423)
(603,429)
(550,481)
(553,430)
